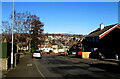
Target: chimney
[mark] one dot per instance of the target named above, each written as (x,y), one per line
(101,26)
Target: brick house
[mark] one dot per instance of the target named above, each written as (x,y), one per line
(103,37)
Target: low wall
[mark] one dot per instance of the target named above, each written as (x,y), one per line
(4,62)
(0,69)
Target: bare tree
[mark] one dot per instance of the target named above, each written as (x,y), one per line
(23,23)
(6,27)
(6,30)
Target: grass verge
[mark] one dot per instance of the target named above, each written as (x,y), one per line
(71,56)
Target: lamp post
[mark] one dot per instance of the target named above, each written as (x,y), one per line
(12,34)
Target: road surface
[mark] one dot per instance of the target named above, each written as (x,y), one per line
(52,66)
(62,67)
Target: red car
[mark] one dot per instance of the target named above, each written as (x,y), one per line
(79,54)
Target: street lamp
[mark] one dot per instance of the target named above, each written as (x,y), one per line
(12,34)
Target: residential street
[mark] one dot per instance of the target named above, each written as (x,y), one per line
(60,39)
(61,67)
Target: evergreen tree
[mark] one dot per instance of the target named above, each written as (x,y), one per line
(36,34)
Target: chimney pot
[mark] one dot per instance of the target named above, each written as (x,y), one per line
(101,26)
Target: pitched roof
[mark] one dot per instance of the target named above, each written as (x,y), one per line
(98,31)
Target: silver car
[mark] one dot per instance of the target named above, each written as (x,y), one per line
(37,54)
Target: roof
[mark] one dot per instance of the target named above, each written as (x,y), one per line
(40,46)
(98,31)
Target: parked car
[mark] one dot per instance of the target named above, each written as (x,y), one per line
(105,54)
(71,52)
(37,54)
(74,49)
(79,53)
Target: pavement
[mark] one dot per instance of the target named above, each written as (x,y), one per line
(25,69)
(91,61)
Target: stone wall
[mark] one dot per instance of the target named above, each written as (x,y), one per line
(4,64)
(0,68)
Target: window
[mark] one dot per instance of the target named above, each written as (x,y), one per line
(97,39)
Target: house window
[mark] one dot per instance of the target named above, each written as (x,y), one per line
(97,39)
(87,39)
(90,39)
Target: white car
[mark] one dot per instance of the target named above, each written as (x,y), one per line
(73,53)
(37,54)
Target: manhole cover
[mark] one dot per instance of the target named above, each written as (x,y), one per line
(29,64)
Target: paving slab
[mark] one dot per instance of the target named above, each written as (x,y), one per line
(25,69)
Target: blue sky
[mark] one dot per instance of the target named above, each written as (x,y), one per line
(61,0)
(67,17)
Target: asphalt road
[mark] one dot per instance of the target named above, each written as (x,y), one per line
(61,67)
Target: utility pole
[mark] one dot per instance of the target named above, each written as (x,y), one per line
(12,34)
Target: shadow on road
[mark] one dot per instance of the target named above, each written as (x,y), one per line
(72,67)
(83,76)
(107,67)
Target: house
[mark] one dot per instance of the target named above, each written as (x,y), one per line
(41,47)
(23,46)
(103,37)
(55,47)
(47,47)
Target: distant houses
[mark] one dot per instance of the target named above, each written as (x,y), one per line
(59,43)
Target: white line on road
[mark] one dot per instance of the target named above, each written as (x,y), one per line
(39,71)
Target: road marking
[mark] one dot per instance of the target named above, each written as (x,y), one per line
(39,71)
(29,65)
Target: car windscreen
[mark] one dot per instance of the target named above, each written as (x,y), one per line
(36,52)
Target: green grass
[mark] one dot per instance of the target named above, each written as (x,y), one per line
(72,56)
(28,53)
(20,52)
(24,52)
